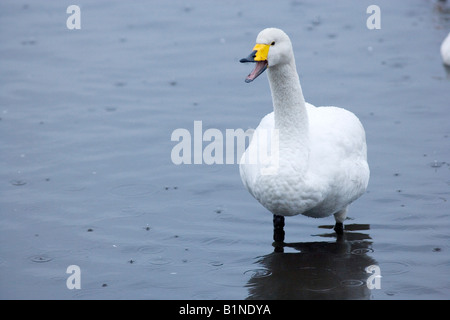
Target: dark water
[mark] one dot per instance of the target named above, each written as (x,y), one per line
(86,176)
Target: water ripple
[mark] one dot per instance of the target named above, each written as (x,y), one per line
(41,258)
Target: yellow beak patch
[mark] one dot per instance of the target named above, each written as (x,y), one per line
(262,50)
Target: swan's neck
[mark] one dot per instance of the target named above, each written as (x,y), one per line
(291,118)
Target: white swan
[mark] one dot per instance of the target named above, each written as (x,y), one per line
(445,50)
(318,161)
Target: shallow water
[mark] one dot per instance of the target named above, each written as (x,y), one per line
(86,176)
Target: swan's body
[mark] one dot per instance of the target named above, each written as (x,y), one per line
(320,164)
(445,50)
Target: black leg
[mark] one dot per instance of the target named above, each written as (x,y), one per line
(339,228)
(278,225)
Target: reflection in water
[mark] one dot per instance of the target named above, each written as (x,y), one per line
(319,270)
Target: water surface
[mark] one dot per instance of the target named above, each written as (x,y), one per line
(86,177)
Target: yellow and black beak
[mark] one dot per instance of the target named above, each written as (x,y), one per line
(259,56)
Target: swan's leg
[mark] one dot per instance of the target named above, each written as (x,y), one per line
(278,228)
(340,217)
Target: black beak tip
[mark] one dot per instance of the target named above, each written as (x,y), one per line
(250,58)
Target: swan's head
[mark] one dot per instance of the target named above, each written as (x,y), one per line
(273,47)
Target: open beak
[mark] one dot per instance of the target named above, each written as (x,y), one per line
(259,56)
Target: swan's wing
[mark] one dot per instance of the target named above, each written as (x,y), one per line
(339,152)
(336,134)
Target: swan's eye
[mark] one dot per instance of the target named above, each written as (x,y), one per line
(273,43)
